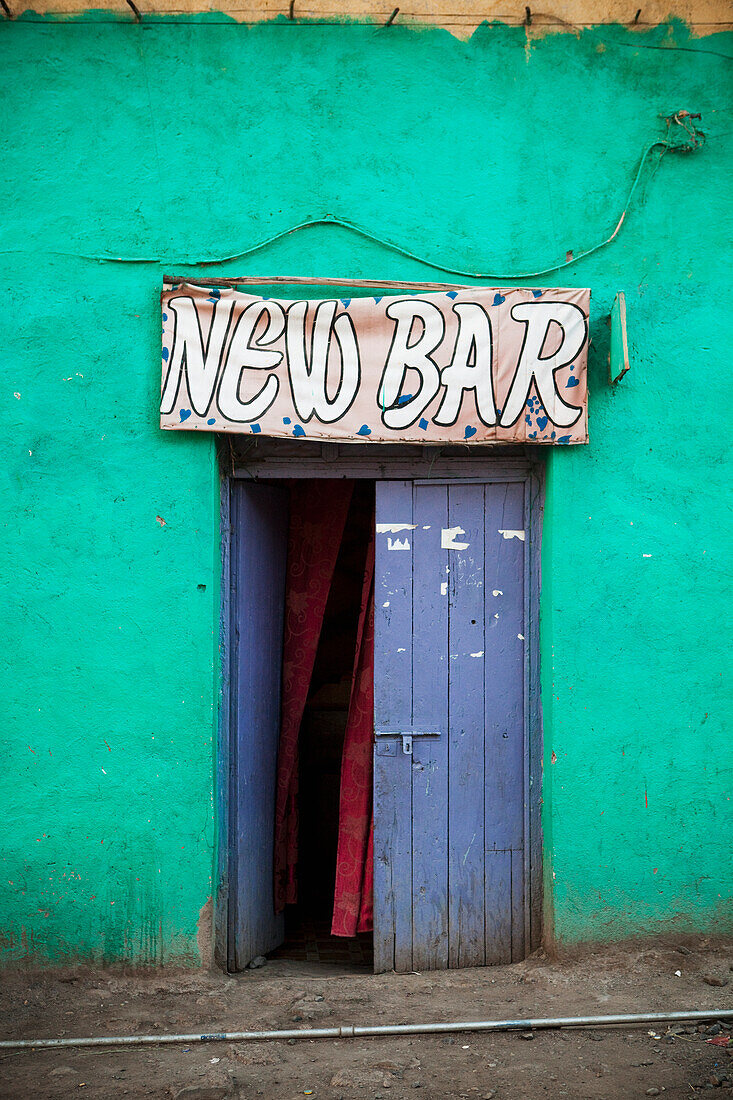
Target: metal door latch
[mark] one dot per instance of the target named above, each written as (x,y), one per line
(405,737)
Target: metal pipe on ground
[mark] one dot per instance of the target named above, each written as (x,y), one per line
(349,1031)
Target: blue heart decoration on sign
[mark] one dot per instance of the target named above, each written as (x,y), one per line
(542,423)
(498,299)
(184,414)
(469,431)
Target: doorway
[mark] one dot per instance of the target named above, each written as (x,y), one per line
(309,932)
(457,739)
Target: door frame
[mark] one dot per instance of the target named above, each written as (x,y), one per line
(355,461)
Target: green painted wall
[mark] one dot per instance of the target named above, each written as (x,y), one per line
(188,140)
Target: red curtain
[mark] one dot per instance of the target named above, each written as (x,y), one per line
(353,896)
(318,512)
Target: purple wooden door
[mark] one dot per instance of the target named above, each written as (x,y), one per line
(451,776)
(259,516)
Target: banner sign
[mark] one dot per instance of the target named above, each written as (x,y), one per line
(464,366)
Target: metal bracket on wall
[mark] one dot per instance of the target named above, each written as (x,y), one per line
(618,352)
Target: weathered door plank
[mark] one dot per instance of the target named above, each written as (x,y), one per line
(392,712)
(430,661)
(498,907)
(466,728)
(504,703)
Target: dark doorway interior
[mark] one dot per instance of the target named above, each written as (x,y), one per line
(308,924)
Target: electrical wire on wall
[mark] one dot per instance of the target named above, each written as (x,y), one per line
(674,142)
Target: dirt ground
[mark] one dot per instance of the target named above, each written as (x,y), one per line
(597,1064)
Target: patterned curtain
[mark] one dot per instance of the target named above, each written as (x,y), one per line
(318,512)
(353,896)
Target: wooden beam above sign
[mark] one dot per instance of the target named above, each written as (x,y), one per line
(170,281)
